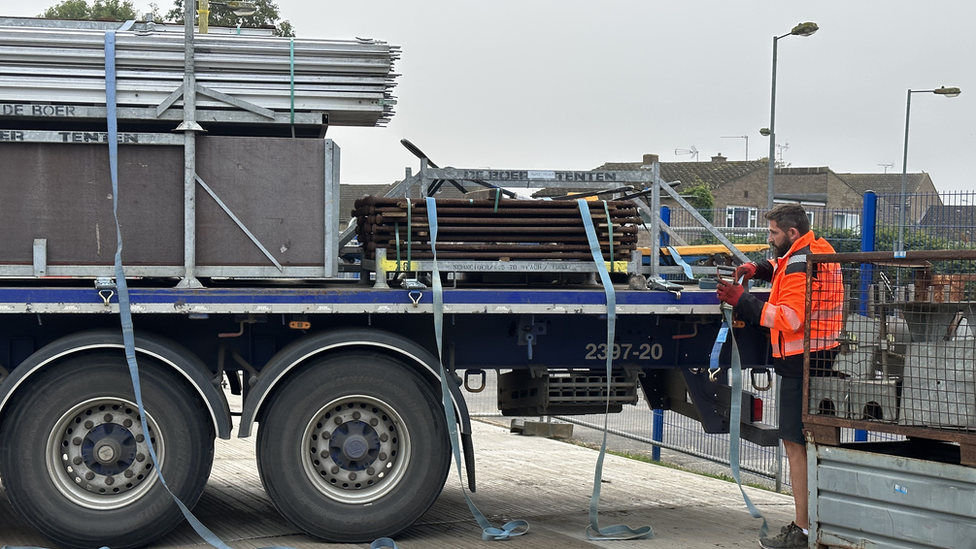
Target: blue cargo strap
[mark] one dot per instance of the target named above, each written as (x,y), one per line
(489,532)
(125,311)
(380,543)
(593,531)
(681,262)
(735,413)
(713,366)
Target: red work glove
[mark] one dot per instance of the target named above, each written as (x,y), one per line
(746,271)
(729,293)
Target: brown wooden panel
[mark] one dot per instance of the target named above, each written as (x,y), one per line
(275,187)
(64,193)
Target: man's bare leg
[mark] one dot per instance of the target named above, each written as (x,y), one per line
(796,454)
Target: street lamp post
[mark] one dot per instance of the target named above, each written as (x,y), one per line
(946,92)
(801,29)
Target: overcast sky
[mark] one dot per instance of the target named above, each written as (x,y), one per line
(571,84)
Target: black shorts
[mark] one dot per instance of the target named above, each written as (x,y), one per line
(791,409)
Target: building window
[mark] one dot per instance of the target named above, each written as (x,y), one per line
(741,216)
(844,220)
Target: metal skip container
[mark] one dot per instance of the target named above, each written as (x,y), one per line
(861,498)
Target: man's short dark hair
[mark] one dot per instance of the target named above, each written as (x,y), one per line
(789,216)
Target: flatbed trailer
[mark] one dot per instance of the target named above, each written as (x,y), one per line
(300,355)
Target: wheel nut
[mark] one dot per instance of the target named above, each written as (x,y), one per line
(76,441)
(382,456)
(89,425)
(324,454)
(335,470)
(384,437)
(77,460)
(108,418)
(356,415)
(89,475)
(128,473)
(140,438)
(326,435)
(127,423)
(370,471)
(338,421)
(140,457)
(109,480)
(352,476)
(374,422)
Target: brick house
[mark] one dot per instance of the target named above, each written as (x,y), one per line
(951,222)
(920,192)
(740,189)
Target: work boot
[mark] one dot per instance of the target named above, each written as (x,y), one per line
(790,537)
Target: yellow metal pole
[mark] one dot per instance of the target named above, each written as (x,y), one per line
(203,13)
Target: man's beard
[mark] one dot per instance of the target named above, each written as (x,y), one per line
(780,251)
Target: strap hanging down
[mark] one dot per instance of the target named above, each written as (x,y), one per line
(489,533)
(735,415)
(593,531)
(125,311)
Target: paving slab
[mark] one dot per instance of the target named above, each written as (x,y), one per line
(545,482)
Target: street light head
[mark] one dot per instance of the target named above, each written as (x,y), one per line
(764,132)
(948,92)
(805,29)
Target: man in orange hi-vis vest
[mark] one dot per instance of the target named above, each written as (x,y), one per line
(791,240)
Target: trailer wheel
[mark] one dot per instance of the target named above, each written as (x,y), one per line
(74,458)
(354,447)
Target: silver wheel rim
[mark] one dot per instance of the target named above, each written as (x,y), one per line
(356,449)
(98,456)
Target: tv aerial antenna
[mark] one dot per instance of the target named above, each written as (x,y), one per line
(782,148)
(746,137)
(692,151)
(888,165)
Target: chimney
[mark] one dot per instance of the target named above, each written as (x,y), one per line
(649,159)
(719,158)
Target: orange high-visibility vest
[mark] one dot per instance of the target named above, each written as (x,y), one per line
(784,311)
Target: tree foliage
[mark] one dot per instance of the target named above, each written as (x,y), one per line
(266,13)
(222,16)
(699,195)
(100,10)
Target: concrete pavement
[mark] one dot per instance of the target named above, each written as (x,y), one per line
(546,482)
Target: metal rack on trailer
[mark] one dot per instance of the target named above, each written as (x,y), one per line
(905,372)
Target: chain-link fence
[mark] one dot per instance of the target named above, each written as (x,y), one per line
(931,221)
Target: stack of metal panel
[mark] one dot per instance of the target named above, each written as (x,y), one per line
(350,80)
(494,230)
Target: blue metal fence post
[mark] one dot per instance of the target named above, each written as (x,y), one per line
(657,418)
(869,222)
(869,219)
(666,218)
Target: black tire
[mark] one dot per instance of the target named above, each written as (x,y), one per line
(386,460)
(73,457)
